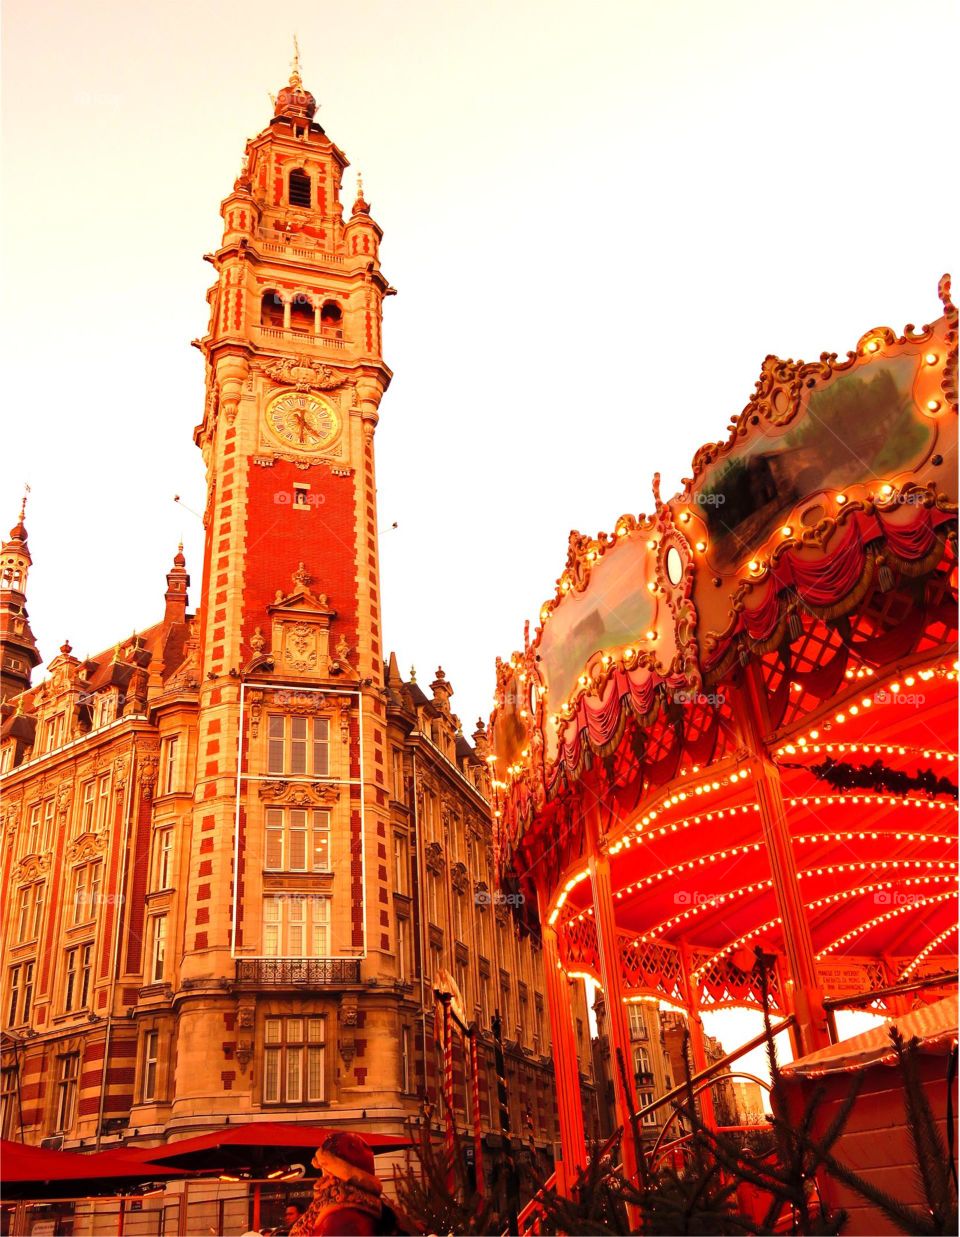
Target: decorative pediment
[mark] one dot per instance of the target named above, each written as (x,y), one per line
(87,846)
(304,374)
(298,794)
(30,868)
(301,627)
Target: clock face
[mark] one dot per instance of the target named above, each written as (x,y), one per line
(302,420)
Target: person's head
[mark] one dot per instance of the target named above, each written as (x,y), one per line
(347,1157)
(292,1213)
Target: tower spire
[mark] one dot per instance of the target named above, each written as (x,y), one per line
(20,655)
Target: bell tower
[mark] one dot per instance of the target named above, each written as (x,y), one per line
(288,831)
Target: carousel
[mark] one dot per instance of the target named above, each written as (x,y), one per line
(725,760)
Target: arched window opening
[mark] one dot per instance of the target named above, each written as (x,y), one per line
(271,308)
(302,316)
(331,320)
(299,192)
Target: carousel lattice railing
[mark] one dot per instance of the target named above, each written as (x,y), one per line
(723,983)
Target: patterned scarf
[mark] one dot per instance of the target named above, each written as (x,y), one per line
(330,1193)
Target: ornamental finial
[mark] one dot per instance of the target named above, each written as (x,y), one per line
(295,78)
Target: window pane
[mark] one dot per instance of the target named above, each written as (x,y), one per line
(321,747)
(275,743)
(315,1030)
(271,1075)
(294,1030)
(272,1031)
(298,745)
(315,1074)
(294,1075)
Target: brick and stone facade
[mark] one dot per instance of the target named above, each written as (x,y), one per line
(238,846)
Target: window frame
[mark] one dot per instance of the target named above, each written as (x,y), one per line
(67,1091)
(314,744)
(150,1071)
(313,923)
(77,977)
(288,1048)
(280,820)
(158,948)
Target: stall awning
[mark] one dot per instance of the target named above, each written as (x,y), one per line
(935,1026)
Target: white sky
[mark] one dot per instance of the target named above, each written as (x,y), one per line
(600,218)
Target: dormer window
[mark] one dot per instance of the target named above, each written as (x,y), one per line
(104,709)
(299,189)
(54,733)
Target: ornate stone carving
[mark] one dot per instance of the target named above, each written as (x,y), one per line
(301,651)
(148,776)
(298,794)
(347,1019)
(89,846)
(255,700)
(31,868)
(433,856)
(258,640)
(304,374)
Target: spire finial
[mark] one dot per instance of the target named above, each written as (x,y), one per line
(361,206)
(23,503)
(295,78)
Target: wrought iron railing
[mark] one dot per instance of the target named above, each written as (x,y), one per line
(298,972)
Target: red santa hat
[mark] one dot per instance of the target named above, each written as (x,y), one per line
(347,1157)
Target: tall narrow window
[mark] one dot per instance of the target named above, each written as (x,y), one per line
(46,836)
(151,1055)
(400,863)
(403,944)
(103,801)
(162,859)
(294,1060)
(68,1073)
(158,948)
(21,994)
(397,760)
(299,188)
(406,1060)
(170,781)
(638,1025)
(644,1098)
(33,831)
(88,799)
(54,732)
(86,891)
(9,1103)
(77,976)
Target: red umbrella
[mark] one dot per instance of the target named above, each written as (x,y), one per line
(22,1166)
(258,1146)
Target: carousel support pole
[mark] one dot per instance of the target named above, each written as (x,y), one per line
(475,1098)
(750,710)
(569,1107)
(607,941)
(450,1145)
(257,1193)
(698,1043)
(503,1098)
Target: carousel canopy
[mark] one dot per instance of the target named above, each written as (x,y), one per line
(779,639)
